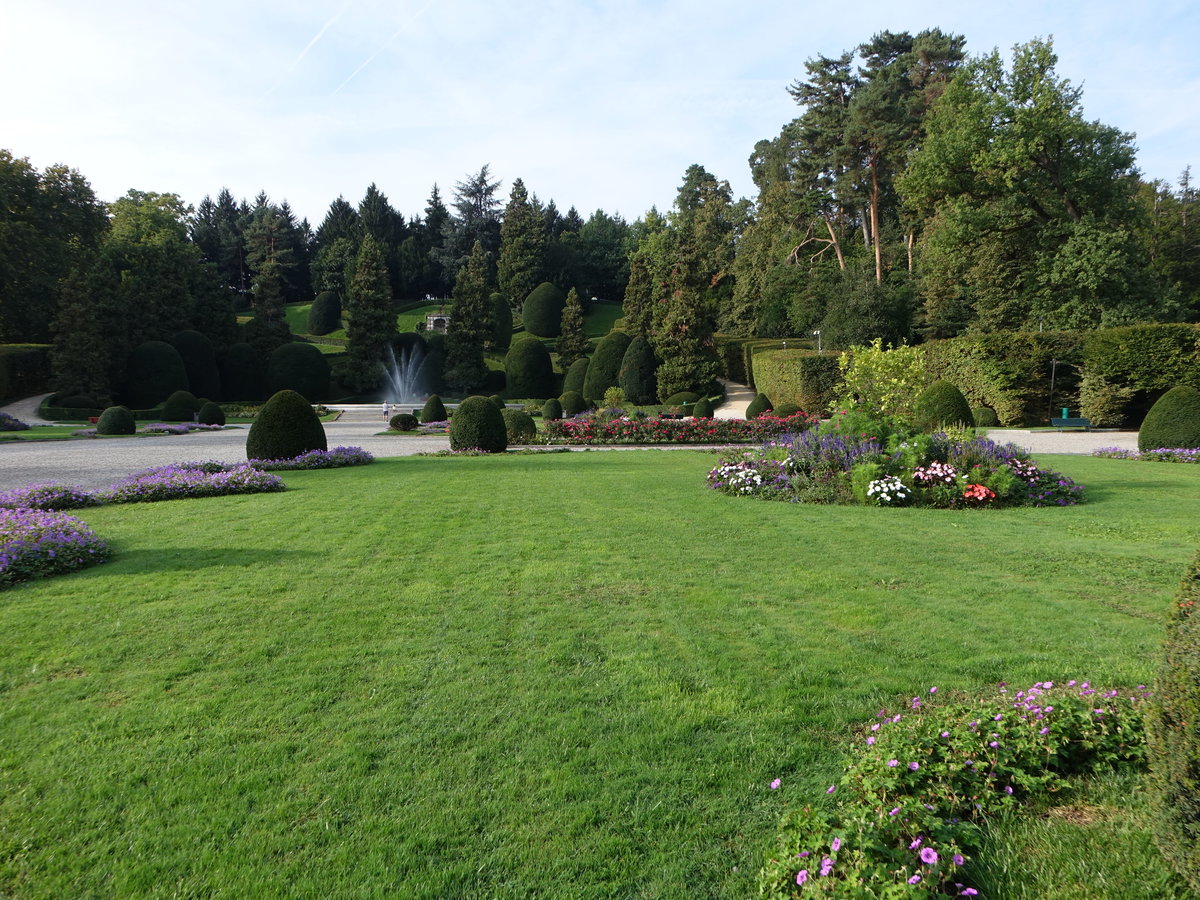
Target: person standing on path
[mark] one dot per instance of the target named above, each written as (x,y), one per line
(386,409)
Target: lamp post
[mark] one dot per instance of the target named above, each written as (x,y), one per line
(818,336)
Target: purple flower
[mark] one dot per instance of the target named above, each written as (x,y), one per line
(1008,789)
(831,789)
(915,844)
(945,734)
(929,856)
(802,876)
(894,811)
(775,784)
(1045,730)
(802,854)
(836,845)
(870,740)
(915,879)
(969,892)
(933,690)
(826,866)
(993,743)
(957,859)
(914,766)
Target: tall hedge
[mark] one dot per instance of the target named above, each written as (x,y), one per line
(1174,421)
(528,369)
(200,362)
(301,368)
(502,323)
(604,368)
(286,427)
(243,373)
(478,424)
(941,404)
(573,379)
(155,372)
(542,312)
(1127,369)
(801,377)
(1173,735)
(636,376)
(325,314)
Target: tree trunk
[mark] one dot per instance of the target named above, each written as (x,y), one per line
(875,218)
(908,243)
(837,247)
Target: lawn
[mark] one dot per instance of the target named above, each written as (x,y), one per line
(566,675)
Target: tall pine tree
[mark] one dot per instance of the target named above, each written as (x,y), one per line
(371,321)
(470,324)
(572,343)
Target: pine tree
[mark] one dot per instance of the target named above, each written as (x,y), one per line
(81,358)
(470,323)
(572,343)
(371,321)
(639,295)
(522,246)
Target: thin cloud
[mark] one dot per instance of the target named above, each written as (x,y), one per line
(371,58)
(303,53)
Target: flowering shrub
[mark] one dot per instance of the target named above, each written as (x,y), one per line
(175,482)
(47,495)
(623,430)
(763,476)
(888,491)
(35,543)
(336,458)
(9,423)
(905,815)
(176,428)
(1161,454)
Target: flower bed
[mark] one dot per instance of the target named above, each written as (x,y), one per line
(177,428)
(904,817)
(1162,454)
(176,482)
(336,458)
(10,423)
(48,495)
(600,430)
(35,543)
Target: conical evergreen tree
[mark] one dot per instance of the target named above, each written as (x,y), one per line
(522,246)
(470,324)
(572,342)
(371,322)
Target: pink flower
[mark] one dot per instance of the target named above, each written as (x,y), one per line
(775,784)
(914,766)
(836,845)
(870,740)
(831,789)
(802,876)
(915,879)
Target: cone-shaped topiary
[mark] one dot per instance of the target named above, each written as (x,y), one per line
(156,371)
(434,410)
(243,373)
(528,369)
(502,323)
(759,405)
(702,408)
(941,405)
(211,414)
(116,420)
(200,362)
(301,368)
(181,406)
(1173,421)
(542,312)
(604,370)
(286,427)
(325,314)
(552,410)
(573,379)
(519,426)
(572,403)
(478,425)
(636,377)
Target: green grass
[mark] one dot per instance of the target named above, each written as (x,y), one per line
(43,433)
(567,675)
(600,319)
(408,320)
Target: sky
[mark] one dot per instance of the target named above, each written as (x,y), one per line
(597,105)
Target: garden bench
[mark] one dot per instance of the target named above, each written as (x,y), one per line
(1060,424)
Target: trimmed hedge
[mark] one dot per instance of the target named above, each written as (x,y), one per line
(116,420)
(325,314)
(1127,369)
(502,323)
(984,417)
(542,312)
(604,369)
(403,422)
(804,378)
(519,426)
(637,375)
(211,414)
(24,371)
(478,425)
(684,400)
(434,410)
(702,408)
(758,406)
(1173,735)
(156,371)
(1174,421)
(243,375)
(576,373)
(200,362)
(572,403)
(181,406)
(301,368)
(286,427)
(528,369)
(552,410)
(939,404)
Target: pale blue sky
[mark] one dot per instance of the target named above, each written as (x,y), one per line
(593,104)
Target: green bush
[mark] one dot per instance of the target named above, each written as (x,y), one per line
(434,410)
(702,408)
(572,403)
(497,401)
(783,410)
(502,323)
(200,362)
(211,414)
(1126,369)
(243,374)
(684,400)
(528,369)
(116,420)
(552,410)
(637,375)
(24,370)
(984,417)
(301,368)
(809,380)
(155,372)
(542,312)
(1173,421)
(181,406)
(575,375)
(519,426)
(403,422)
(286,427)
(325,314)
(478,424)
(759,405)
(939,405)
(1173,735)
(604,369)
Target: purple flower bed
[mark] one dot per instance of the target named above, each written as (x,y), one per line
(336,458)
(175,482)
(1161,454)
(9,423)
(48,495)
(176,427)
(35,543)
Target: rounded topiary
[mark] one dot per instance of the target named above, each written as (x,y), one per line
(552,410)
(200,362)
(286,427)
(575,374)
(403,422)
(542,312)
(211,414)
(759,405)
(702,408)
(519,426)
(941,405)
(783,410)
(116,420)
(502,323)
(984,417)
(497,401)
(325,314)
(479,425)
(572,403)
(243,373)
(434,410)
(529,370)
(604,370)
(1173,421)
(155,372)
(181,406)
(301,368)
(636,377)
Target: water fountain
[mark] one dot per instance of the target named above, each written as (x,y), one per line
(403,375)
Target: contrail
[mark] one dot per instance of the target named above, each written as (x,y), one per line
(371,58)
(295,62)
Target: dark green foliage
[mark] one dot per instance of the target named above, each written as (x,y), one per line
(470,324)
(264,335)
(783,410)
(759,405)
(543,309)
(181,406)
(519,426)
(529,370)
(497,401)
(370,319)
(682,398)
(1127,369)
(1173,735)
(702,408)
(211,414)
(604,369)
(325,314)
(434,410)
(575,375)
(572,403)
(286,427)
(636,377)
(196,351)
(403,422)
(116,420)
(243,374)
(502,323)
(156,371)
(941,404)
(301,368)
(801,377)
(478,424)
(1174,421)
(984,417)
(572,342)
(23,371)
(552,410)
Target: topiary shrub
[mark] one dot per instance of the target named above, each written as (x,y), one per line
(604,369)
(155,372)
(576,373)
(325,314)
(1173,421)
(478,425)
(301,368)
(286,427)
(211,414)
(685,400)
(783,410)
(552,410)
(181,406)
(243,373)
(529,370)
(542,312)
(200,362)
(572,403)
(519,426)
(116,420)
(497,401)
(984,417)
(502,323)
(434,410)
(759,405)
(941,405)
(403,422)
(702,408)
(1173,735)
(636,376)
